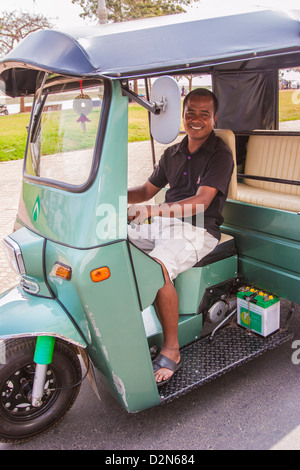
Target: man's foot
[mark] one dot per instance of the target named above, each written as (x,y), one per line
(164,368)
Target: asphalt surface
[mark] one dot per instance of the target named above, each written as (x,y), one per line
(252,407)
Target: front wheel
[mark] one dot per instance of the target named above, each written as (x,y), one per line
(19,420)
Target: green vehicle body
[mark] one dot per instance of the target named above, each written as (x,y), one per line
(268,251)
(114,320)
(111,329)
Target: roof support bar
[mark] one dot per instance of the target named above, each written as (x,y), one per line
(154,108)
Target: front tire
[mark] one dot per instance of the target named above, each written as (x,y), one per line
(19,420)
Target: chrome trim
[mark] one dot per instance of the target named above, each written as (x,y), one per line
(12,245)
(29,286)
(34,335)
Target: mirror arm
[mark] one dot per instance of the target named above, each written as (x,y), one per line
(154,108)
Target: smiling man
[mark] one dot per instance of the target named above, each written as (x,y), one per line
(198,171)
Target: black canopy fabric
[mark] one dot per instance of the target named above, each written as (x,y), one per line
(173,44)
(248,100)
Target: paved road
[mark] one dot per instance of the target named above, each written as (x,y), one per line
(253,407)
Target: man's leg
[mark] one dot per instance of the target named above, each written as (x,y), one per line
(167,304)
(175,256)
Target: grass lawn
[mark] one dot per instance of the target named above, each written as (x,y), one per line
(289,105)
(13,134)
(13,131)
(138,123)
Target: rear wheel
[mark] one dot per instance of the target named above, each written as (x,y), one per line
(19,420)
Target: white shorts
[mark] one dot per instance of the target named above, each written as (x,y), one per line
(178,245)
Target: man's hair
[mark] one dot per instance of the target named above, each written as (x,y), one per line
(202,92)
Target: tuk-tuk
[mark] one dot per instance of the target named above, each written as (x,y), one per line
(86,290)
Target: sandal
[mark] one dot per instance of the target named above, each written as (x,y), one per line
(162,361)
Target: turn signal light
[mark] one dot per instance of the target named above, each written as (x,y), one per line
(62,271)
(100,274)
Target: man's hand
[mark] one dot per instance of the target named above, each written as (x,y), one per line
(139,213)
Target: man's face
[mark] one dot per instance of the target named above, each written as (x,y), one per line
(199,118)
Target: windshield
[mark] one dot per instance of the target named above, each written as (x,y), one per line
(63,132)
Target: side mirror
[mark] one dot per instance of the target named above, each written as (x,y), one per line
(165,126)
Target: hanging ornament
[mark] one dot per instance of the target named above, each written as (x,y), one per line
(82,105)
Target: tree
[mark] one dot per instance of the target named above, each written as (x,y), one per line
(15,26)
(124,10)
(189,78)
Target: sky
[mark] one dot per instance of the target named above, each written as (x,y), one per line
(63,14)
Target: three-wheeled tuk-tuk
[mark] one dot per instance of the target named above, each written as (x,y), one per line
(85,289)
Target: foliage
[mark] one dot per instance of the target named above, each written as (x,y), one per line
(123,10)
(16,25)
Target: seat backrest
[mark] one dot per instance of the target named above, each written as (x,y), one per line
(228,138)
(274,156)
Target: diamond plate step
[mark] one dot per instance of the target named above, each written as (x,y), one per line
(206,360)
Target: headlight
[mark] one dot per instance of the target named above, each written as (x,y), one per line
(14,255)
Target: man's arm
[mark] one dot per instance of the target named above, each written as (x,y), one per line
(189,206)
(184,208)
(142,193)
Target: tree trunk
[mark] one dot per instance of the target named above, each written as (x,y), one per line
(22,104)
(102,12)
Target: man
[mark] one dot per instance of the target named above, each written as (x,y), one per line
(198,171)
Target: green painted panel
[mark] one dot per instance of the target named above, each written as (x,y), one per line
(268,244)
(273,250)
(280,282)
(118,345)
(149,275)
(191,284)
(189,328)
(262,219)
(26,315)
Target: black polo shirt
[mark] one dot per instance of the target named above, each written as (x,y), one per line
(211,165)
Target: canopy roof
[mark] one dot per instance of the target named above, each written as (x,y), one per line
(173,44)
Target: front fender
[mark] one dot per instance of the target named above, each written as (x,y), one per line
(22,314)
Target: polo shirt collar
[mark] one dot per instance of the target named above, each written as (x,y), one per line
(207,146)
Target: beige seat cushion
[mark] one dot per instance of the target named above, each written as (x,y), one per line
(263,197)
(277,157)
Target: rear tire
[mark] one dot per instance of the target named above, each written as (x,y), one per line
(19,420)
